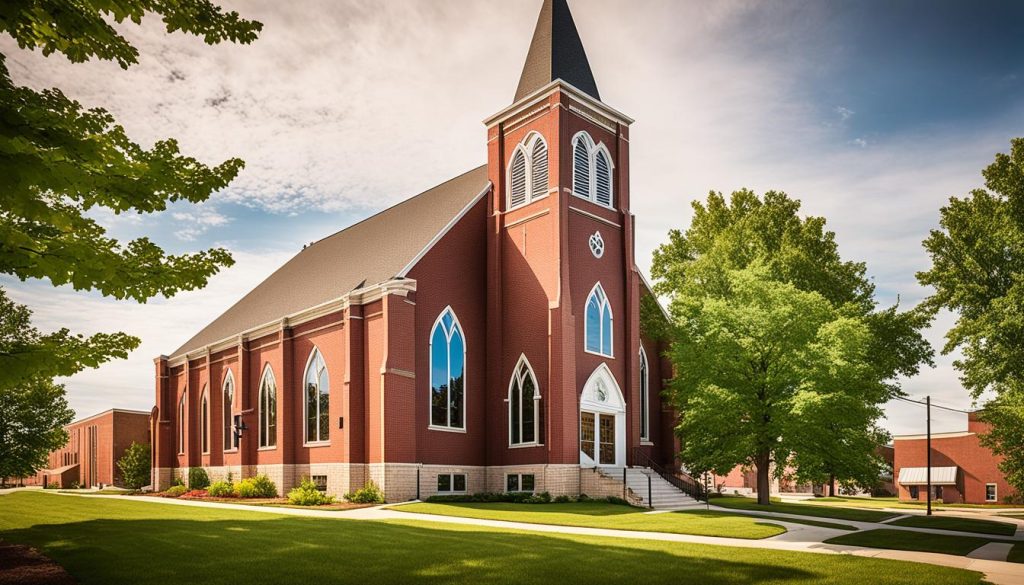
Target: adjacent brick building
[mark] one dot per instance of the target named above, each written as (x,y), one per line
(483,335)
(962,470)
(95,444)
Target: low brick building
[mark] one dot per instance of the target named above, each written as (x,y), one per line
(962,470)
(94,446)
(484,335)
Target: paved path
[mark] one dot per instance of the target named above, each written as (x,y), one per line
(799,538)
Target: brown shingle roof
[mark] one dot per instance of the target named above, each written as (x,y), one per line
(556,52)
(369,252)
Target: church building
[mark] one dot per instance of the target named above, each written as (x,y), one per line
(484,335)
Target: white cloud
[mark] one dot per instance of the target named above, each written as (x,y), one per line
(361,103)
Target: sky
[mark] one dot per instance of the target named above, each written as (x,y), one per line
(872,113)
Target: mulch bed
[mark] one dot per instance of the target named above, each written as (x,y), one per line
(23,565)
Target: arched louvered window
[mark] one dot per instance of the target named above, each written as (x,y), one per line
(204,421)
(523,405)
(645,397)
(517,180)
(598,324)
(181,424)
(447,373)
(602,179)
(539,168)
(318,399)
(268,409)
(581,165)
(230,441)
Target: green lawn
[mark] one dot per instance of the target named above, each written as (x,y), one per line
(604,515)
(914,541)
(961,524)
(741,503)
(897,503)
(103,541)
(1016,553)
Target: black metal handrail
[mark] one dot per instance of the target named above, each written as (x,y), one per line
(679,479)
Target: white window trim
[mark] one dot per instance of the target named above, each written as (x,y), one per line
(526,147)
(204,408)
(592,149)
(267,371)
(586,323)
(645,396)
(228,413)
(520,490)
(536,405)
(465,376)
(451,480)
(182,414)
(995,492)
(305,402)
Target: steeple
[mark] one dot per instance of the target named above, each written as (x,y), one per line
(556,52)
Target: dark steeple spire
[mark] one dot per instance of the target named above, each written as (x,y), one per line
(556,52)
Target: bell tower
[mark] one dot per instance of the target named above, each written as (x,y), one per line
(563,290)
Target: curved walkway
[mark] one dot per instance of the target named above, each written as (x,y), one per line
(798,538)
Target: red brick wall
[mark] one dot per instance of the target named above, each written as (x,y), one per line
(978,466)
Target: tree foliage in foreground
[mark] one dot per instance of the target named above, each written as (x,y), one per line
(978,273)
(61,162)
(764,426)
(32,419)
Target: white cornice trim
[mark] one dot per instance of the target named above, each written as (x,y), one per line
(444,231)
(952,435)
(359,296)
(550,88)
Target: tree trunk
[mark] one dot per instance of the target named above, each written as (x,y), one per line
(763,479)
(832,485)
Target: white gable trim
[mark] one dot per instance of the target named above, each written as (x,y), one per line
(444,231)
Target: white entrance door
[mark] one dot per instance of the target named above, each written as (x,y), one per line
(602,421)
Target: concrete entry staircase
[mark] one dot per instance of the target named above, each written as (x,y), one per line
(663,495)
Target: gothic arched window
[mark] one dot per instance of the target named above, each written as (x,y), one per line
(598,325)
(318,398)
(447,373)
(268,408)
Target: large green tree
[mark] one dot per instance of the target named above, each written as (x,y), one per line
(32,419)
(60,161)
(978,273)
(745,231)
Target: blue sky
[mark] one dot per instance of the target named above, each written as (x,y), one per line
(872,113)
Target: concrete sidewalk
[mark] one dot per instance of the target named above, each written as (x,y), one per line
(799,538)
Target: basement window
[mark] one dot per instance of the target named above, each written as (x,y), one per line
(519,482)
(451,483)
(320,481)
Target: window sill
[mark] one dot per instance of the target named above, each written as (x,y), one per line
(273,448)
(646,443)
(229,451)
(609,356)
(445,429)
(594,201)
(317,444)
(524,445)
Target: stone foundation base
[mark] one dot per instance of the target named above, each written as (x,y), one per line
(402,482)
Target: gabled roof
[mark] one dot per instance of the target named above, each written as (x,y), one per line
(556,52)
(369,252)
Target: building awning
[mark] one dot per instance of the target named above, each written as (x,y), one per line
(61,470)
(919,476)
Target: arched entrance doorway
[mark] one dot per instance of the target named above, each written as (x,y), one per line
(602,421)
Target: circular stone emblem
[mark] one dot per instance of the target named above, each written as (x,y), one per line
(597,245)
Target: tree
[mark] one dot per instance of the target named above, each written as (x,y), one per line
(32,419)
(978,272)
(752,360)
(747,231)
(60,161)
(135,466)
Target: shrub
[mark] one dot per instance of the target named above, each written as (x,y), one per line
(177,481)
(74,485)
(194,494)
(256,487)
(502,497)
(307,495)
(198,479)
(221,489)
(135,466)
(54,486)
(563,499)
(616,500)
(175,491)
(370,494)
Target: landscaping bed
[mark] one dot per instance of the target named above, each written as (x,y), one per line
(959,524)
(23,565)
(856,515)
(913,541)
